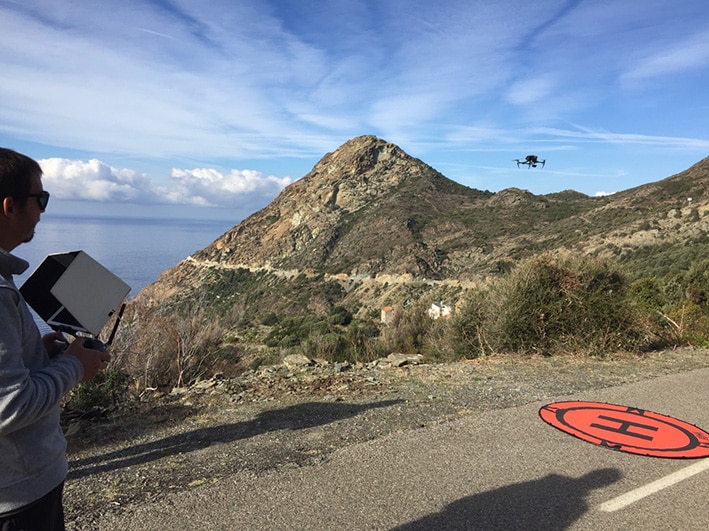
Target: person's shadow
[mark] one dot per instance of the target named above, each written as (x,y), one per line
(551,503)
(295,417)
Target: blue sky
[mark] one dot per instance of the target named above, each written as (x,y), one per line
(222,103)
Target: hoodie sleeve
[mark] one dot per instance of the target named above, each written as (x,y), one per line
(31,385)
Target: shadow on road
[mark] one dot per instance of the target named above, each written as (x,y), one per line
(551,503)
(294,417)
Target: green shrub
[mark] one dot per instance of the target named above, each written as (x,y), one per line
(696,283)
(648,295)
(688,324)
(550,304)
(472,323)
(340,315)
(270,319)
(582,304)
(325,346)
(105,390)
(359,338)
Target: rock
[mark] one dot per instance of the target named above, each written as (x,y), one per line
(297,361)
(204,384)
(342,366)
(396,359)
(331,398)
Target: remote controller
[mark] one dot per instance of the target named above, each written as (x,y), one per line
(95,344)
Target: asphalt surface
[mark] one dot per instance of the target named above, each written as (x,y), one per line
(502,469)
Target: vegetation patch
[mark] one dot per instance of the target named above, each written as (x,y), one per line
(551,304)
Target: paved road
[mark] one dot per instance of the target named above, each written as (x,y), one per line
(495,470)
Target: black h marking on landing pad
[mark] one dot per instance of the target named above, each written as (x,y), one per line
(624,427)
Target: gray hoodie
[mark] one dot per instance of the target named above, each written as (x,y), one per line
(32,445)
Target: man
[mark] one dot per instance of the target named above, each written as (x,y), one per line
(35,371)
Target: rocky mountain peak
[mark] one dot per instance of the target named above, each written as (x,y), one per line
(307,225)
(357,172)
(357,157)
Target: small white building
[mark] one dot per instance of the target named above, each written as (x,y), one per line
(440,310)
(387,314)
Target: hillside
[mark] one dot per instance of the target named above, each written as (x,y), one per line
(367,208)
(371,225)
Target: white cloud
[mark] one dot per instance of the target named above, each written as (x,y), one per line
(585,134)
(204,186)
(97,181)
(530,91)
(688,54)
(92,180)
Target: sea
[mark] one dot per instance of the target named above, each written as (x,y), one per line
(135,249)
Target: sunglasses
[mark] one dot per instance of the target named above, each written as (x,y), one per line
(42,199)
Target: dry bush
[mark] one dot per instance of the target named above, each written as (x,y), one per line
(408,331)
(160,348)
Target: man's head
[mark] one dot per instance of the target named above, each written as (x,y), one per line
(22,198)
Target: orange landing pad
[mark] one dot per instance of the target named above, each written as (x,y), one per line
(628,429)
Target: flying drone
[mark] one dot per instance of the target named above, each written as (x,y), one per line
(531,161)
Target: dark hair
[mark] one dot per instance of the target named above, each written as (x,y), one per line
(16,172)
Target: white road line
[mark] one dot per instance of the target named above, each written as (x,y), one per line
(651,488)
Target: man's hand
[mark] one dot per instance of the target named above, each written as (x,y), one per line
(92,360)
(54,342)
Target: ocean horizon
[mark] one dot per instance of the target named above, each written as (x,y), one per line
(136,249)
